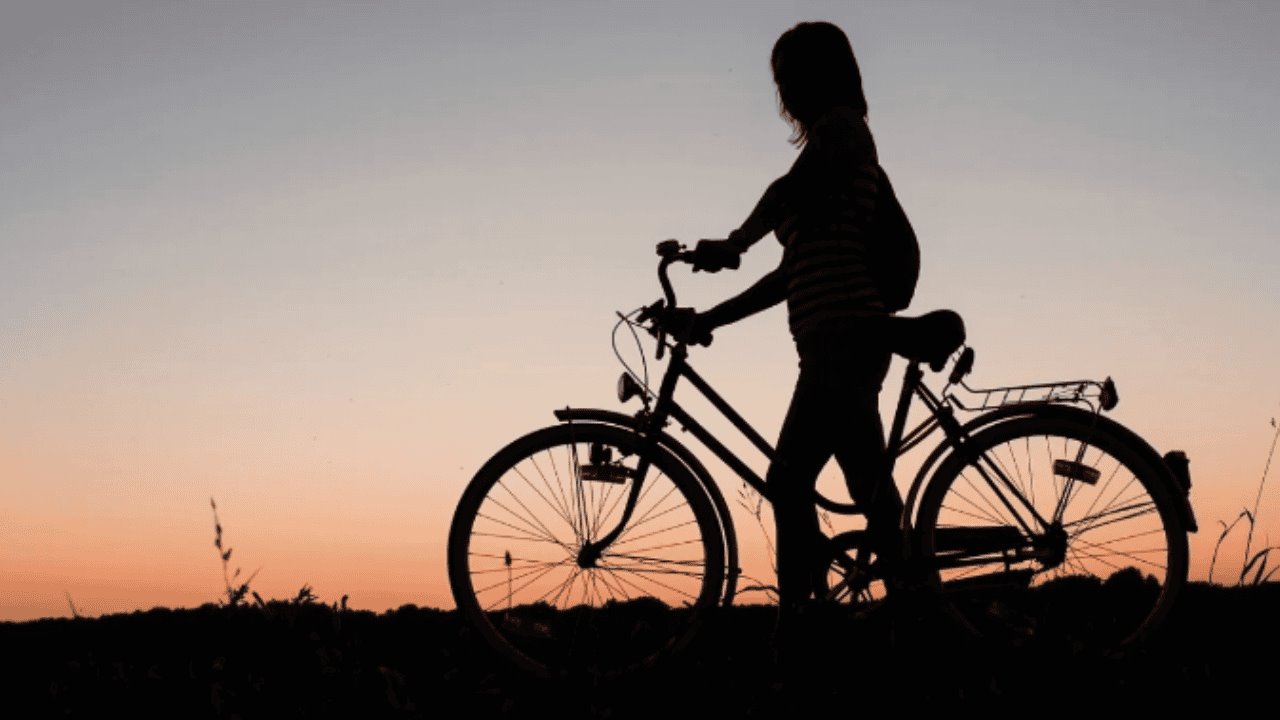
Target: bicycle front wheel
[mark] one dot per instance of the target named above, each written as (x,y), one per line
(519,574)
(1054,532)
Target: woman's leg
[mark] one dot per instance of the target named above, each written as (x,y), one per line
(863,459)
(804,446)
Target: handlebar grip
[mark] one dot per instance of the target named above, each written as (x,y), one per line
(669,249)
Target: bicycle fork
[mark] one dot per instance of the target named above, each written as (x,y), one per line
(593,549)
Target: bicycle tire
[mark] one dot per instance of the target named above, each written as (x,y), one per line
(517,531)
(1100,581)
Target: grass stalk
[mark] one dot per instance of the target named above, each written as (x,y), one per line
(1257,501)
(1252,562)
(235,593)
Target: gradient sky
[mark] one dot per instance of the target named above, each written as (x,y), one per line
(320,260)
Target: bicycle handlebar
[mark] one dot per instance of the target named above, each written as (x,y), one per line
(671,251)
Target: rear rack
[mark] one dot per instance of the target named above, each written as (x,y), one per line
(1096,395)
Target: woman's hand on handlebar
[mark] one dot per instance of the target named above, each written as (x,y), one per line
(716,255)
(687,325)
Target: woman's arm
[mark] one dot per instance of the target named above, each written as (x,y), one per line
(715,255)
(840,142)
(765,216)
(764,293)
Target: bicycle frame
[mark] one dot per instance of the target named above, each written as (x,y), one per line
(941,415)
(993,406)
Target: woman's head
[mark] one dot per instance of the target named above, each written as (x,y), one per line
(814,69)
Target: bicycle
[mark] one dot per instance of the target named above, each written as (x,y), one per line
(599,544)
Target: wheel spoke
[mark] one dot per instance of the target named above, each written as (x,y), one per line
(648,577)
(643,518)
(647,568)
(574,471)
(533,518)
(566,589)
(511,594)
(1069,484)
(655,532)
(659,561)
(993,513)
(564,493)
(984,518)
(1127,512)
(616,588)
(622,581)
(1104,550)
(1102,492)
(515,568)
(1003,489)
(657,569)
(540,571)
(679,543)
(525,538)
(559,510)
(618,501)
(998,464)
(598,519)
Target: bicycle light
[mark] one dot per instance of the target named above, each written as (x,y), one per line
(1108,398)
(627,387)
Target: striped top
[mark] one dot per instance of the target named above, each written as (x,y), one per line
(826,207)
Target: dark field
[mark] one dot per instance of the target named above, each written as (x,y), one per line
(310,660)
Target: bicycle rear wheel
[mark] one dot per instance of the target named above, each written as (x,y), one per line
(1054,532)
(517,570)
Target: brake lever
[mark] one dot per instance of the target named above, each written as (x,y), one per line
(653,312)
(650,312)
(661,335)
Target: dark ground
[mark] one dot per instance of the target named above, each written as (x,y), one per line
(313,661)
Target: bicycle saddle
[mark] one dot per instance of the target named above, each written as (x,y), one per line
(930,338)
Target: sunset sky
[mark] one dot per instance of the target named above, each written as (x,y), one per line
(320,260)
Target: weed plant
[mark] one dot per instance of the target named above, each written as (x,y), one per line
(1253,570)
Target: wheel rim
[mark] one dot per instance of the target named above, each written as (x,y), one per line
(1097,569)
(527,585)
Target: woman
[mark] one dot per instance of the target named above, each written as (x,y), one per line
(820,211)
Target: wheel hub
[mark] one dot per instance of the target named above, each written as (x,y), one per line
(1051,547)
(589,556)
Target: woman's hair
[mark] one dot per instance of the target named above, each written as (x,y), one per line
(814,69)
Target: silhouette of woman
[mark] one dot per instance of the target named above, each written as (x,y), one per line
(820,212)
